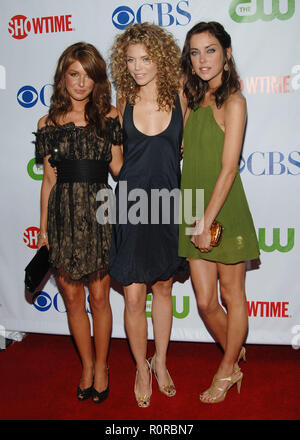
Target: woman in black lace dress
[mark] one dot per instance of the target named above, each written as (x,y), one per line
(80,136)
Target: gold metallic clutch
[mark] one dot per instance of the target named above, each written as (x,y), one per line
(216,230)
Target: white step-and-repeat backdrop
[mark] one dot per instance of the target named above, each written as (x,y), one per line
(265,36)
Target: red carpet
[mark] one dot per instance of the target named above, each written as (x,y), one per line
(39,377)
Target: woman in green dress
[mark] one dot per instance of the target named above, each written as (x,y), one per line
(213,138)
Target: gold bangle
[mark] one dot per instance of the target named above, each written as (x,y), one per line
(42,235)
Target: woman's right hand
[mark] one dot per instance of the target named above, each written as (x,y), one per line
(201,237)
(42,240)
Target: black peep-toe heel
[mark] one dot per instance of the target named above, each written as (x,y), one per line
(84,394)
(100,397)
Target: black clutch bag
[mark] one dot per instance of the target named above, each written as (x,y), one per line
(37,269)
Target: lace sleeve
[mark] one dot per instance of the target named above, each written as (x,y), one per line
(43,144)
(115,131)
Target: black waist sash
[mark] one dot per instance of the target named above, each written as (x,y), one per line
(84,170)
(71,171)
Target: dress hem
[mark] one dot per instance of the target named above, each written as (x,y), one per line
(235,261)
(174,273)
(88,277)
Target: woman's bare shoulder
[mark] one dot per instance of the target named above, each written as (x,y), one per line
(113,113)
(236,101)
(42,122)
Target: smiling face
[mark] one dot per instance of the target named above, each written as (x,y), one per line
(207,58)
(78,83)
(140,66)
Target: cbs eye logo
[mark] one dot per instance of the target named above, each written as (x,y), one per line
(28,96)
(123,17)
(42,301)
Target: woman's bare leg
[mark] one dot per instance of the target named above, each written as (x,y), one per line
(162,315)
(232,287)
(75,301)
(102,326)
(137,329)
(205,282)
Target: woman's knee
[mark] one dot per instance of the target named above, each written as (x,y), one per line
(74,300)
(99,294)
(232,283)
(232,293)
(204,278)
(207,302)
(163,289)
(99,300)
(134,304)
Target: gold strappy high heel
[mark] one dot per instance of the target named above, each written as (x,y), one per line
(214,389)
(143,401)
(242,354)
(168,390)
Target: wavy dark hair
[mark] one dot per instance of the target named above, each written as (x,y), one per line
(99,103)
(195,88)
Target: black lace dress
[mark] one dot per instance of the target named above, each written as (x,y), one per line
(79,245)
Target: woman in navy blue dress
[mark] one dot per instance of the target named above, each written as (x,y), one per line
(145,68)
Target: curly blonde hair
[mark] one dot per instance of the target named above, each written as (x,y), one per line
(163,51)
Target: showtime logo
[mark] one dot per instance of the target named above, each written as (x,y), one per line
(272,84)
(268,309)
(30,237)
(20,26)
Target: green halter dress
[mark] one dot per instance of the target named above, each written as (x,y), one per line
(203,146)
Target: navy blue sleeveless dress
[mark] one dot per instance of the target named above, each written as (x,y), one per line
(145,237)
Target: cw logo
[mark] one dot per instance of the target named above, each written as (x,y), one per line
(276,245)
(177,314)
(241,13)
(35,171)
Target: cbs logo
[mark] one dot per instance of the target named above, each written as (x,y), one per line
(43,302)
(28,96)
(164,14)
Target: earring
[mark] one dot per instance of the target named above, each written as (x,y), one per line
(226,68)
(193,71)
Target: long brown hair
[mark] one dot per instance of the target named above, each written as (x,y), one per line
(99,103)
(195,88)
